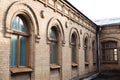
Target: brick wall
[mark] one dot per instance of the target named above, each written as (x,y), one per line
(41,13)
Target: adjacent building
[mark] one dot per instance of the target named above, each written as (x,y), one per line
(109,44)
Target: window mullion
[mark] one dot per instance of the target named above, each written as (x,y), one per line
(57,55)
(19,24)
(27,55)
(18,56)
(113,54)
(51,58)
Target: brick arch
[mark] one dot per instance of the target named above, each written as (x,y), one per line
(109,38)
(18,8)
(74,31)
(54,22)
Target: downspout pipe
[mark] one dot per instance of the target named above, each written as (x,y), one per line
(98,49)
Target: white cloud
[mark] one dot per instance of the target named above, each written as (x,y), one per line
(98,9)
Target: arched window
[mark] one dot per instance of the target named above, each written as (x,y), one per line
(86,51)
(93,52)
(109,51)
(54,45)
(19,55)
(73,47)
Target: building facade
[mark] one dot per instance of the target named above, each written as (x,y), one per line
(109,47)
(52,40)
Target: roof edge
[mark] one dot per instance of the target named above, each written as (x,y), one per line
(81,13)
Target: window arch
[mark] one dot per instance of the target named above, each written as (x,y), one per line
(19,54)
(27,11)
(74,32)
(109,51)
(54,22)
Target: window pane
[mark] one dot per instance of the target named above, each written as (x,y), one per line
(14,51)
(109,44)
(111,54)
(85,50)
(23,51)
(110,50)
(73,54)
(115,51)
(22,25)
(53,34)
(15,23)
(54,53)
(18,24)
(93,51)
(73,38)
(106,55)
(115,57)
(85,54)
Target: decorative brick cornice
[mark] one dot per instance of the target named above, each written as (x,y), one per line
(65,8)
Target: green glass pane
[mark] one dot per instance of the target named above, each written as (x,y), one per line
(15,23)
(22,26)
(18,24)
(73,38)
(23,51)
(85,53)
(73,54)
(54,52)
(53,34)
(13,51)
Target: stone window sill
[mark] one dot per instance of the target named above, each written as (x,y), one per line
(94,63)
(55,66)
(74,64)
(20,70)
(86,63)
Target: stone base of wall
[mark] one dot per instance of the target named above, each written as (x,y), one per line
(55,74)
(21,76)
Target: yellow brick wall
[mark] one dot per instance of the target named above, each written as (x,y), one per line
(40,53)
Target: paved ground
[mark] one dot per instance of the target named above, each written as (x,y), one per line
(108,76)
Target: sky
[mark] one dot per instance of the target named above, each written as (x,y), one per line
(98,9)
